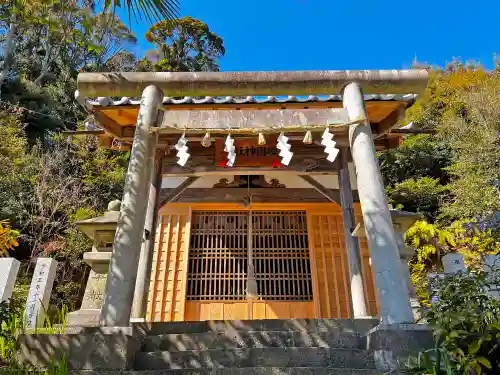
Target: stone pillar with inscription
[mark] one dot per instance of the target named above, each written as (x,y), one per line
(9,267)
(491,265)
(102,231)
(453,263)
(39,293)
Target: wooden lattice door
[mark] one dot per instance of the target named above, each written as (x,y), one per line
(223,246)
(218,258)
(201,263)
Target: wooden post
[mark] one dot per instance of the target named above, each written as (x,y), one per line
(358,295)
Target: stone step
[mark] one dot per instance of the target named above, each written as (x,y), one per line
(253,339)
(311,325)
(241,371)
(255,357)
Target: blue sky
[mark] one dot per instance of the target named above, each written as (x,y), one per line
(355,34)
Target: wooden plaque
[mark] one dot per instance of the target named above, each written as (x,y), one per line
(249,153)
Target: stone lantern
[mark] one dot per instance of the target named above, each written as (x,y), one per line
(102,232)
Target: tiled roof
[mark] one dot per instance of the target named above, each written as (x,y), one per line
(106,101)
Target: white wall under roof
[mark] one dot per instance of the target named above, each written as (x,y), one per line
(290,180)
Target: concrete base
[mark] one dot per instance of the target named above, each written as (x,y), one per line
(106,348)
(84,318)
(393,344)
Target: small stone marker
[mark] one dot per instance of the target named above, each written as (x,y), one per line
(491,265)
(453,263)
(9,267)
(39,293)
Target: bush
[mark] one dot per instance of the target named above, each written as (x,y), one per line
(465,318)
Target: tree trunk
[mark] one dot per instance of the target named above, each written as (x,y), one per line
(45,63)
(8,50)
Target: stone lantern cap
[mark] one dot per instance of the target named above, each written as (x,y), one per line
(402,220)
(107,221)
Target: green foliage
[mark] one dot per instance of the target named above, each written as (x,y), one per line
(465,320)
(424,195)
(8,237)
(462,104)
(432,242)
(430,362)
(46,189)
(14,165)
(21,289)
(153,9)
(11,325)
(442,93)
(49,182)
(59,39)
(184,46)
(453,177)
(418,156)
(55,368)
(416,174)
(473,131)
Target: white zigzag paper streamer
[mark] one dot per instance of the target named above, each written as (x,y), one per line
(231,151)
(284,148)
(329,143)
(182,150)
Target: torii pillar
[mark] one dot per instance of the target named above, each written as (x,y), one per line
(117,306)
(391,287)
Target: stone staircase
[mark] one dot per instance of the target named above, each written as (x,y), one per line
(257,347)
(313,347)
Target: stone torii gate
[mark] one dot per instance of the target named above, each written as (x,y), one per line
(390,283)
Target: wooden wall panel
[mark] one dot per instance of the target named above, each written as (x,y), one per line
(167,290)
(217,310)
(240,310)
(367,269)
(330,264)
(283,310)
(368,279)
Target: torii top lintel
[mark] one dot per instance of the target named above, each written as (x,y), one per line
(252,83)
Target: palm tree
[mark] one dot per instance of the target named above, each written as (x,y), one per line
(158,10)
(150,9)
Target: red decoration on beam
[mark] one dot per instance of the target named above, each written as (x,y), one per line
(276,164)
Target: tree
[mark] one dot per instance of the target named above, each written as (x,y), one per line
(462,103)
(421,155)
(452,177)
(183,46)
(45,190)
(424,195)
(56,44)
(158,9)
(49,182)
(472,128)
(42,13)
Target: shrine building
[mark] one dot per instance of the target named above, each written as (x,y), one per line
(253,195)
